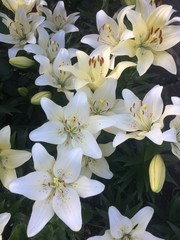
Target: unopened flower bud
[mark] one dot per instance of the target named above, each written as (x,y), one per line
(157,172)
(23,91)
(37,97)
(21,62)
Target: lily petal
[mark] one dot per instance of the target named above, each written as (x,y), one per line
(4,219)
(165,60)
(14,158)
(68,165)
(43,161)
(86,187)
(142,218)
(34,185)
(52,110)
(67,206)
(7,175)
(51,132)
(119,224)
(145,59)
(42,213)
(5,134)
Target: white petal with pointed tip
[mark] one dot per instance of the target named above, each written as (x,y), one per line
(67,206)
(42,213)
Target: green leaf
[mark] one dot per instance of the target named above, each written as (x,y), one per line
(19,232)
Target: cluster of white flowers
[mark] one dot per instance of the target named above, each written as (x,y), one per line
(90,87)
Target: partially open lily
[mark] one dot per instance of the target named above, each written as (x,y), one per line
(92,70)
(152,36)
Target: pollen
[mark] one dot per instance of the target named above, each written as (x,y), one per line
(72,118)
(101,101)
(144,107)
(55,181)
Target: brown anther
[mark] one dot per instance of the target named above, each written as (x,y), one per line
(134,105)
(151,32)
(161,39)
(157,30)
(94,65)
(154,40)
(160,33)
(90,60)
(101,61)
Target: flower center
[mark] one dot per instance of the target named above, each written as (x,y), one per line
(100,107)
(57,183)
(154,37)
(142,116)
(96,68)
(107,35)
(17,30)
(59,21)
(52,49)
(126,237)
(72,126)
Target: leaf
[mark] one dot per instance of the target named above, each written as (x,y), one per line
(19,232)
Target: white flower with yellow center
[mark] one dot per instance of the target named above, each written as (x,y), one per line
(144,118)
(111,31)
(56,187)
(10,158)
(52,75)
(72,125)
(123,228)
(92,70)
(22,30)
(58,19)
(103,101)
(152,36)
(48,45)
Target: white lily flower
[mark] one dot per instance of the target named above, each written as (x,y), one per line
(92,70)
(52,75)
(21,31)
(175,124)
(111,31)
(56,187)
(4,219)
(72,125)
(48,45)
(58,19)
(123,228)
(102,101)
(152,36)
(145,118)
(99,167)
(10,158)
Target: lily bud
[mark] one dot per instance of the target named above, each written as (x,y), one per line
(21,62)
(157,172)
(130,2)
(23,91)
(37,97)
